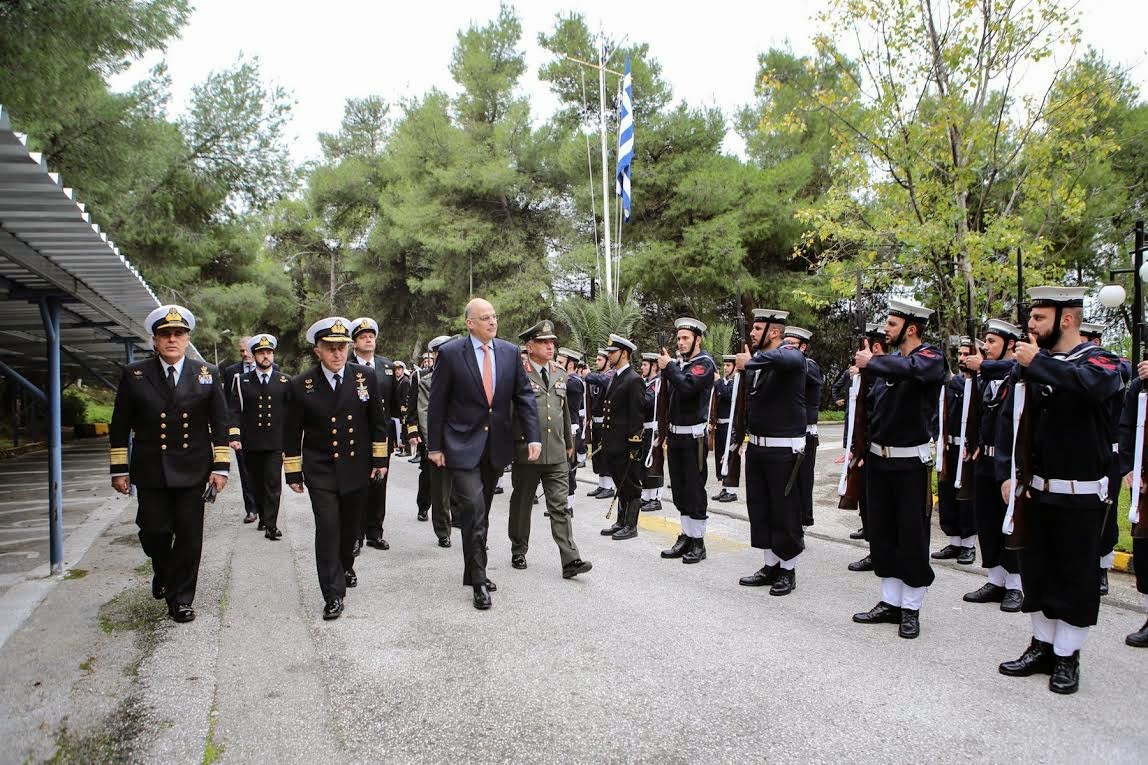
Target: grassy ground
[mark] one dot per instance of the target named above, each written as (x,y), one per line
(1124,544)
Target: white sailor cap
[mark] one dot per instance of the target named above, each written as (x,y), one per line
(1051,297)
(1090,329)
(364,324)
(729,358)
(402,364)
(570,353)
(910,309)
(874,328)
(618,343)
(333,329)
(798,332)
(770,315)
(968,342)
(169,316)
(262,342)
(652,357)
(603,352)
(687,322)
(1004,329)
(433,345)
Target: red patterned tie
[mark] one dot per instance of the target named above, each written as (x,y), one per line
(487,375)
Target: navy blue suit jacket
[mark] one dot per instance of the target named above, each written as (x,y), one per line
(460,423)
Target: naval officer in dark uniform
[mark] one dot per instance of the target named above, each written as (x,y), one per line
(364,334)
(898,491)
(596,383)
(1068,386)
(335,443)
(258,405)
(689,385)
(175,409)
(622,424)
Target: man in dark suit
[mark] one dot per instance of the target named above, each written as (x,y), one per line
(333,412)
(258,406)
(231,373)
(176,410)
(477,381)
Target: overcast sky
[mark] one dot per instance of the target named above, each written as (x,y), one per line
(325,52)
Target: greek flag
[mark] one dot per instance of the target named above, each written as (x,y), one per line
(625,140)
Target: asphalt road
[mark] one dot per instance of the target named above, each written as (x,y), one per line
(642,659)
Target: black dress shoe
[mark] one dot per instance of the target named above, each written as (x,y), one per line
(546,513)
(351,578)
(910,624)
(807,520)
(181,613)
(614,528)
(968,556)
(865,564)
(423,515)
(576,567)
(858,534)
(786,582)
(1012,601)
(1103,587)
(765,575)
(987,593)
(948,552)
(1139,638)
(1065,674)
(481,597)
(498,490)
(595,491)
(278,533)
(681,544)
(158,590)
(518,561)
(626,532)
(415,459)
(490,585)
(882,613)
(696,552)
(444,541)
(728,496)
(250,518)
(379,544)
(333,609)
(715,496)
(1036,658)
(653,506)
(357,548)
(270,534)
(262,526)
(606,494)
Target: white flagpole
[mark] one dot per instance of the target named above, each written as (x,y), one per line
(605,167)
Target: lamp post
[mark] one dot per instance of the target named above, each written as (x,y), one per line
(1113,295)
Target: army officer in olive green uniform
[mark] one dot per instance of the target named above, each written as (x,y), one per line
(552,468)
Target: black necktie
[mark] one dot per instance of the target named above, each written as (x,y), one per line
(545,378)
(263,379)
(171,379)
(338,381)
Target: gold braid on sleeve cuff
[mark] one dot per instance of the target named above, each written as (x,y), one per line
(379,449)
(118,456)
(222,454)
(293,464)
(233,432)
(412,429)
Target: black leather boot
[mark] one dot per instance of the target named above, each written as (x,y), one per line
(1065,674)
(696,552)
(619,524)
(629,515)
(679,548)
(1139,638)
(1036,658)
(786,582)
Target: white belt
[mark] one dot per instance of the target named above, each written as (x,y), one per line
(1061,486)
(923,452)
(793,444)
(650,425)
(989,451)
(723,422)
(598,420)
(811,429)
(1116,448)
(955,440)
(689,430)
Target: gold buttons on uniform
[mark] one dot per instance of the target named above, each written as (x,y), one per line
(348,416)
(334,443)
(352,454)
(352,443)
(336,455)
(163,446)
(163,415)
(185,415)
(334,432)
(350,430)
(162,425)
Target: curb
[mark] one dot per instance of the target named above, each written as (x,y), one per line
(1122,561)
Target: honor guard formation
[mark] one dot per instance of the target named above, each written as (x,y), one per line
(1024,450)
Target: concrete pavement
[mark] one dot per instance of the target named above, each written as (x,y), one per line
(641,659)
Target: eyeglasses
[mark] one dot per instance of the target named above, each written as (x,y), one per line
(486,317)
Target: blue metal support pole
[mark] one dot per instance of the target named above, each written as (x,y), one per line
(50,313)
(129,351)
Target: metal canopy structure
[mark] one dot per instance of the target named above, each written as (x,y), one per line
(68,298)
